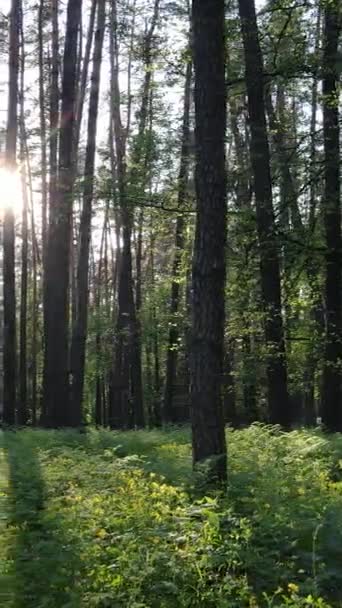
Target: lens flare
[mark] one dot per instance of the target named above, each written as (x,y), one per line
(10,190)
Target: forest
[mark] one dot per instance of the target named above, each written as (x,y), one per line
(170,304)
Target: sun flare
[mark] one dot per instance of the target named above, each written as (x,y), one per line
(10,190)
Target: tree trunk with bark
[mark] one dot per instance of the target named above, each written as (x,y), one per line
(54,102)
(56,372)
(35,309)
(84,75)
(278,402)
(42,120)
(8,231)
(53,169)
(78,345)
(22,404)
(119,397)
(332,387)
(209,269)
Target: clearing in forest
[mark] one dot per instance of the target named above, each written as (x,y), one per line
(117,520)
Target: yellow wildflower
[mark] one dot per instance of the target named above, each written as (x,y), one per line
(293,587)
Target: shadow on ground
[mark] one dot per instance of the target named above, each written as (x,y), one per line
(46,564)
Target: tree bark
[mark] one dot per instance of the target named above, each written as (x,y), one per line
(208,281)
(54,101)
(42,120)
(53,169)
(332,396)
(56,373)
(278,403)
(78,345)
(119,398)
(84,74)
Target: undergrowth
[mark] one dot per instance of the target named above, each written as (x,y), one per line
(117,520)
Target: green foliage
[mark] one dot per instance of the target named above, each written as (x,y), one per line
(117,520)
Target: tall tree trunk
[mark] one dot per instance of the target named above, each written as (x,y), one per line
(54,101)
(119,400)
(332,387)
(313,269)
(56,373)
(84,75)
(53,169)
(42,125)
(126,385)
(34,344)
(100,373)
(74,246)
(183,180)
(139,256)
(9,234)
(129,69)
(137,179)
(35,261)
(78,345)
(269,261)
(22,405)
(117,214)
(208,282)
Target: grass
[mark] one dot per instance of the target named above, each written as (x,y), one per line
(117,520)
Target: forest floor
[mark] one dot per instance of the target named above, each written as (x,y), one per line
(117,520)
